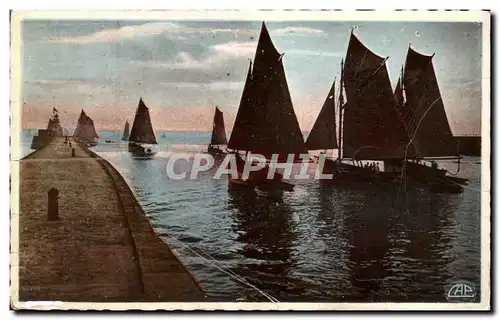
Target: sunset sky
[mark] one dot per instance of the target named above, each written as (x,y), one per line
(182,69)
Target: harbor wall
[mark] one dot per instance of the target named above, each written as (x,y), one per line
(43,139)
(103,247)
(155,256)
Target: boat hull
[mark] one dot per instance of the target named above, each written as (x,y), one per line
(435,180)
(139,150)
(215,150)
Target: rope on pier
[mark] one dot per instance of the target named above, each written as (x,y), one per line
(225,270)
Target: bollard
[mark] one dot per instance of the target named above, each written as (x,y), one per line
(53,205)
(72,152)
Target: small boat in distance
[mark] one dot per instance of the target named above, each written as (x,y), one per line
(142,138)
(218,139)
(85,130)
(126,131)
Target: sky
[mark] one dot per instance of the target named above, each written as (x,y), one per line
(183,69)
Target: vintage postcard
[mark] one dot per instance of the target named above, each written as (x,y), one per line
(250,160)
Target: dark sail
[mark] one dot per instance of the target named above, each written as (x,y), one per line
(218,130)
(85,129)
(239,139)
(126,131)
(142,129)
(266,122)
(323,134)
(424,113)
(372,128)
(398,94)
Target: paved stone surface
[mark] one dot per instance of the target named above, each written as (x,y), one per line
(102,248)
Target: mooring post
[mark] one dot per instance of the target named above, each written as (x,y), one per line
(72,152)
(53,205)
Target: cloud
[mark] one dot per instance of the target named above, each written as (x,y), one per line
(297,30)
(211,86)
(57,83)
(119,34)
(314,53)
(221,54)
(116,35)
(236,49)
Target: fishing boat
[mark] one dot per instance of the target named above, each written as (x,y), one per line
(142,138)
(85,130)
(266,123)
(126,131)
(218,140)
(422,112)
(369,128)
(323,135)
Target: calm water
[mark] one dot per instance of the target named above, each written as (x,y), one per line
(324,243)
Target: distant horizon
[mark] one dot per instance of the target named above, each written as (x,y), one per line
(305,133)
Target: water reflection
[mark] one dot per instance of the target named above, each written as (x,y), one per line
(323,243)
(399,249)
(264,228)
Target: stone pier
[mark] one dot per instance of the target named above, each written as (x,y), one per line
(102,247)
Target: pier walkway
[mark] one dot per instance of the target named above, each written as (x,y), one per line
(102,248)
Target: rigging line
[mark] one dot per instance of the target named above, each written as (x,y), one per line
(238,276)
(226,271)
(358,89)
(414,135)
(231,273)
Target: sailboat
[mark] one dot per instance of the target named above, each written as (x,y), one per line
(218,134)
(85,130)
(323,135)
(142,137)
(126,131)
(369,125)
(266,122)
(422,112)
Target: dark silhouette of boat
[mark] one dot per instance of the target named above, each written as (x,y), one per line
(422,112)
(266,123)
(85,130)
(219,139)
(142,137)
(323,135)
(126,131)
(373,127)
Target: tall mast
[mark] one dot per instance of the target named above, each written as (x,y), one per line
(341,106)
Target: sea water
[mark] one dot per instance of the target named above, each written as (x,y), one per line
(321,243)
